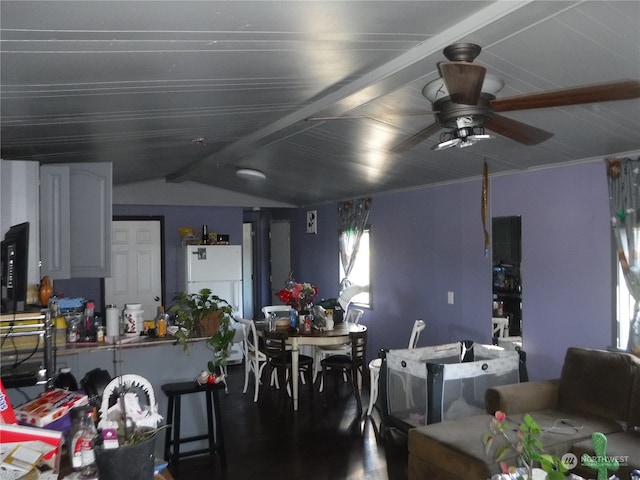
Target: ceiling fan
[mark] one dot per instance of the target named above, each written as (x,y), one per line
(464,102)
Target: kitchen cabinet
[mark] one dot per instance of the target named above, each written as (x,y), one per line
(75,220)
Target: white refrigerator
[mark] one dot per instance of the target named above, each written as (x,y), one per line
(218,268)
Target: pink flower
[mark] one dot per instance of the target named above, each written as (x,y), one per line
(500,416)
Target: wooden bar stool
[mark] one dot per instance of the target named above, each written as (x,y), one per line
(174,392)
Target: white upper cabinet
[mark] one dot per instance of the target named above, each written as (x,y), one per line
(75,220)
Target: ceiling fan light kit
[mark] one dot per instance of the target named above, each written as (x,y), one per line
(250,174)
(461,137)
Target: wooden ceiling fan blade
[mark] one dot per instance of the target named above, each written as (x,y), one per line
(463,80)
(414,140)
(601,92)
(518,131)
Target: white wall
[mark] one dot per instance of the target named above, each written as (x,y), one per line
(19,202)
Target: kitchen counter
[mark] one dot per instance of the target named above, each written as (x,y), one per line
(10,355)
(159,360)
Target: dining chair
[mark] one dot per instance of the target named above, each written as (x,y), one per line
(281,310)
(352,365)
(254,359)
(354,315)
(376,364)
(500,326)
(279,360)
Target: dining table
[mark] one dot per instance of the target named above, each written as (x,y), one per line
(317,337)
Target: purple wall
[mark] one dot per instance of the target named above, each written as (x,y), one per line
(429,241)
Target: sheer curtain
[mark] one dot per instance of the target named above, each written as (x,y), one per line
(623,176)
(352,220)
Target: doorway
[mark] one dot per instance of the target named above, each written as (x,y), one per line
(280,236)
(137,273)
(507,272)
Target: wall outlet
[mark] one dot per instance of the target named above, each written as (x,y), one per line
(450,298)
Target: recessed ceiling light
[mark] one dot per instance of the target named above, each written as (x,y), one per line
(250,173)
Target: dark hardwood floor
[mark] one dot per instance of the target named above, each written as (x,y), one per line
(314,443)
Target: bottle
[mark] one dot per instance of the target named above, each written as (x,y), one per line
(88,456)
(82,432)
(73,334)
(66,380)
(293,319)
(161,322)
(100,334)
(205,235)
(88,324)
(59,323)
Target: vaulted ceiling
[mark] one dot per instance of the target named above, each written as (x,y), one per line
(195,90)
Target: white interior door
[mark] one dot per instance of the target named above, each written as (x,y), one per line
(136,266)
(280,235)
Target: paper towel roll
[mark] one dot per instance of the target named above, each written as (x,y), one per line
(113,322)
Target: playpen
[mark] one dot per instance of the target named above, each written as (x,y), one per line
(444,382)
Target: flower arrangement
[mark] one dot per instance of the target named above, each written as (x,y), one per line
(299,296)
(525,444)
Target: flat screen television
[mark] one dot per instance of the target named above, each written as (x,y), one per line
(14,256)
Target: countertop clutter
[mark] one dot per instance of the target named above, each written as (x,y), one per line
(188,237)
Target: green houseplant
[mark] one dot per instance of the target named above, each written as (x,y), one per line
(204,314)
(525,444)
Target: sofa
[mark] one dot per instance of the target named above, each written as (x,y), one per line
(598,391)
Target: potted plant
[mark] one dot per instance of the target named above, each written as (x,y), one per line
(204,314)
(526,444)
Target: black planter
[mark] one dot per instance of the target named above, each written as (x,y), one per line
(131,462)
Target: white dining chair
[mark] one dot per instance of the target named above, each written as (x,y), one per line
(279,310)
(500,326)
(254,359)
(376,364)
(354,315)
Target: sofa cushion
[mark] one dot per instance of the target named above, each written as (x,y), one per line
(454,447)
(522,397)
(596,382)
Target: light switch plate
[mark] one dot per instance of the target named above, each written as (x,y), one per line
(450,298)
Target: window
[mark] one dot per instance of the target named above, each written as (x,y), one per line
(360,273)
(624,309)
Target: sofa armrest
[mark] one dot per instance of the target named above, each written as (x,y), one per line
(522,397)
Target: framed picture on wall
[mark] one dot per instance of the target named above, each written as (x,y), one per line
(312,221)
